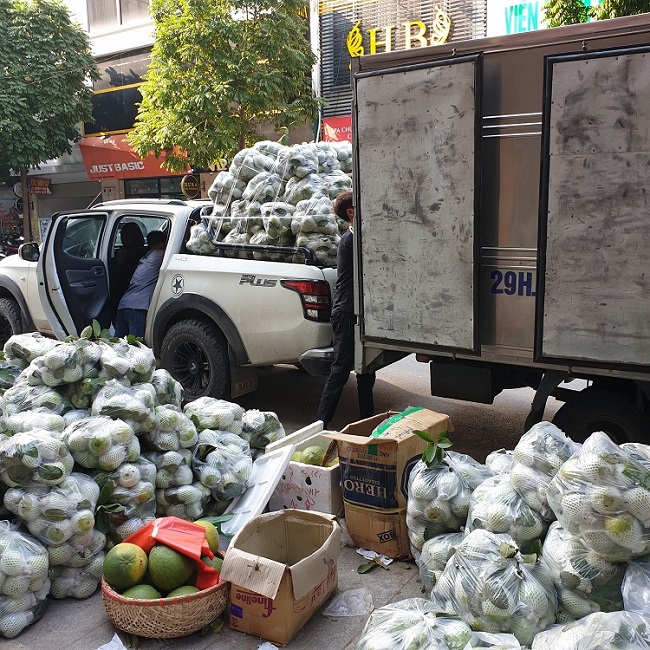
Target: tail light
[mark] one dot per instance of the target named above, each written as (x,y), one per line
(315,298)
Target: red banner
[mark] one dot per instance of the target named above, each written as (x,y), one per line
(337,129)
(112,157)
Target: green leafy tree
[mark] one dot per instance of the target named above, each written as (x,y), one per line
(569,12)
(219,70)
(45,69)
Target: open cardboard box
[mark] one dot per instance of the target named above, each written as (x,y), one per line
(282,567)
(375,473)
(303,486)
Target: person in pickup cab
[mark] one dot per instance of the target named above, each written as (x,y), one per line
(343,321)
(131,316)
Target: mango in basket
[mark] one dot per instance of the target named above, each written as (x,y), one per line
(124,566)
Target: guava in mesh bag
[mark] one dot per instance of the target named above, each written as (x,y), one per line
(497,507)
(212,413)
(298,160)
(183,501)
(276,218)
(134,362)
(200,242)
(168,391)
(248,163)
(65,364)
(74,416)
(223,462)
(77,582)
(315,216)
(266,186)
(433,558)
(439,496)
(598,631)
(127,499)
(499,641)
(304,189)
(100,442)
(24,348)
(78,551)
(9,371)
(173,468)
(261,428)
(638,451)
(35,419)
(53,514)
(133,404)
(337,182)
(34,457)
(324,248)
(537,457)
(81,394)
(344,154)
(412,624)
(262,240)
(584,581)
(269,148)
(22,397)
(173,430)
(636,586)
(24,583)
(226,188)
(601,495)
(494,588)
(328,160)
(500,461)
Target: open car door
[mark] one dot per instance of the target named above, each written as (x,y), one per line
(73,282)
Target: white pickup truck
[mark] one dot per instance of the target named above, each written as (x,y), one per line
(213,319)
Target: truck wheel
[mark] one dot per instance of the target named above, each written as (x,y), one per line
(595,409)
(11,321)
(196,355)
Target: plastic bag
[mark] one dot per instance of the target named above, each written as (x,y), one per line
(300,189)
(494,588)
(24,348)
(36,419)
(53,514)
(328,160)
(24,582)
(499,461)
(9,371)
(173,468)
(538,456)
(70,582)
(247,163)
(200,242)
(324,248)
(344,154)
(269,148)
(439,496)
(299,160)
(22,397)
(584,581)
(169,392)
(598,631)
(353,602)
(183,501)
(34,457)
(337,182)
(600,496)
(100,442)
(636,586)
(223,462)
(65,364)
(315,216)
(134,362)
(78,551)
(494,641)
(133,404)
(497,507)
(226,188)
(217,414)
(173,430)
(433,558)
(266,186)
(261,428)
(413,624)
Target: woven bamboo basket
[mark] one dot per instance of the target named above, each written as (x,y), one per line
(165,618)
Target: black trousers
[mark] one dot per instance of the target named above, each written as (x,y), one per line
(343,326)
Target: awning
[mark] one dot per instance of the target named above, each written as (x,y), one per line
(112,157)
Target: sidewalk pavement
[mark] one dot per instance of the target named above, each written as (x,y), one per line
(72,624)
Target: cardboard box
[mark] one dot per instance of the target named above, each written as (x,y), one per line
(375,473)
(308,487)
(282,567)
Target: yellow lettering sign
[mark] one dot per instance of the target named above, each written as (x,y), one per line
(386,43)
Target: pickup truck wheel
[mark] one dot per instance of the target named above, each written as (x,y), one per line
(595,409)
(196,355)
(11,321)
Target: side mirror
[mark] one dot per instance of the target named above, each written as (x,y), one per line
(29,252)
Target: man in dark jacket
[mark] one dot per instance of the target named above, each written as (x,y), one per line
(343,322)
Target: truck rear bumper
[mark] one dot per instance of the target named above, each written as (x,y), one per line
(317,361)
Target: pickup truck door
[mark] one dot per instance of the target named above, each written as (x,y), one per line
(73,282)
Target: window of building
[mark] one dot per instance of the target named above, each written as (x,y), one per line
(106,14)
(167,187)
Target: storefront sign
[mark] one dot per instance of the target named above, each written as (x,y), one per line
(39,186)
(415,34)
(190,186)
(337,129)
(112,157)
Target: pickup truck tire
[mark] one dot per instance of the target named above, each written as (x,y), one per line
(196,355)
(11,321)
(595,409)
